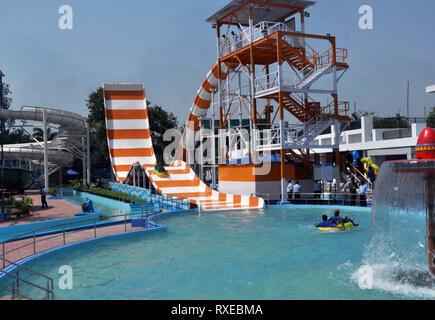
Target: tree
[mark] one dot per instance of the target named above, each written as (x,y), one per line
(97,124)
(160,120)
(38,134)
(431,118)
(11,135)
(7,99)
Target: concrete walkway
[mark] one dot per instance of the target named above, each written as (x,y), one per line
(21,249)
(57,209)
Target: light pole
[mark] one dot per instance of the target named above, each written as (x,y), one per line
(2,133)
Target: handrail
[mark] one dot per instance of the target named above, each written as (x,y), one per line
(362,175)
(327,110)
(60,230)
(48,290)
(346,198)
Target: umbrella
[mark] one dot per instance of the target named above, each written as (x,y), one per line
(71,172)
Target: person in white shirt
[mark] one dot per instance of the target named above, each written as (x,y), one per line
(297,189)
(289,190)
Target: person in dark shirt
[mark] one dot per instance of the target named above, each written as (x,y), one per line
(325,223)
(43,193)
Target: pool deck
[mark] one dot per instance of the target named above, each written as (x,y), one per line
(57,209)
(21,249)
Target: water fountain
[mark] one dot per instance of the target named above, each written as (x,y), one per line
(403,221)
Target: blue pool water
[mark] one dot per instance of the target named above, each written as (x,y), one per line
(108,207)
(272,254)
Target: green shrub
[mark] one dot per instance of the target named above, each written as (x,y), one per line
(24,205)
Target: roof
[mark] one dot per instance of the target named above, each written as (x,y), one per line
(260,12)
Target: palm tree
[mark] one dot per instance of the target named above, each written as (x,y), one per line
(38,134)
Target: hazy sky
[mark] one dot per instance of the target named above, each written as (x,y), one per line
(168,46)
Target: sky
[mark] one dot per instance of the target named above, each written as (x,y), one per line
(168,46)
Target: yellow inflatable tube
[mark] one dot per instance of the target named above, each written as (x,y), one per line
(160,174)
(347,226)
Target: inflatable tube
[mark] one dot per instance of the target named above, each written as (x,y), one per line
(161,174)
(327,229)
(347,226)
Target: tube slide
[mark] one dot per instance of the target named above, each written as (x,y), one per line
(129,141)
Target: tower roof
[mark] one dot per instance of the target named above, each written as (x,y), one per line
(264,10)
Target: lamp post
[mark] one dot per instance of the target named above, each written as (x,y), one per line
(2,134)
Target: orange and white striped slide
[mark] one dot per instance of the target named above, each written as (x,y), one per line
(129,141)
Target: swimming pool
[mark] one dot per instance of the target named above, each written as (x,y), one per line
(109,207)
(272,254)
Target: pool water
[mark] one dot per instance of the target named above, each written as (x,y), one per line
(270,254)
(109,207)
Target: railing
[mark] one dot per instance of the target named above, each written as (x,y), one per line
(268,139)
(50,233)
(397,134)
(264,29)
(343,108)
(15,290)
(322,198)
(270,82)
(173,202)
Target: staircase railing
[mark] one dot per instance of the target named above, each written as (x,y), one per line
(343,108)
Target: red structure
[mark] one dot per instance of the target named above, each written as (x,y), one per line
(425,151)
(425,148)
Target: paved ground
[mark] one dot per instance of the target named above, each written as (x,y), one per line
(18,250)
(57,209)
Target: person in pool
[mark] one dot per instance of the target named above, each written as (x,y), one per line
(336,219)
(325,223)
(347,220)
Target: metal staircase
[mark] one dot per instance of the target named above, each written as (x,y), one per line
(296,136)
(311,130)
(313,75)
(296,57)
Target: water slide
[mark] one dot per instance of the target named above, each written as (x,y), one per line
(69,124)
(129,141)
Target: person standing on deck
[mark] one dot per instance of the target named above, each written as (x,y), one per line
(297,190)
(289,190)
(43,193)
(363,194)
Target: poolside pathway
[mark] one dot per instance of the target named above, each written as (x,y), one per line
(21,249)
(57,209)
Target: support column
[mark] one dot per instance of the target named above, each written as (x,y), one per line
(44,130)
(84,160)
(88,154)
(281,123)
(213,141)
(282,151)
(251,53)
(335,94)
